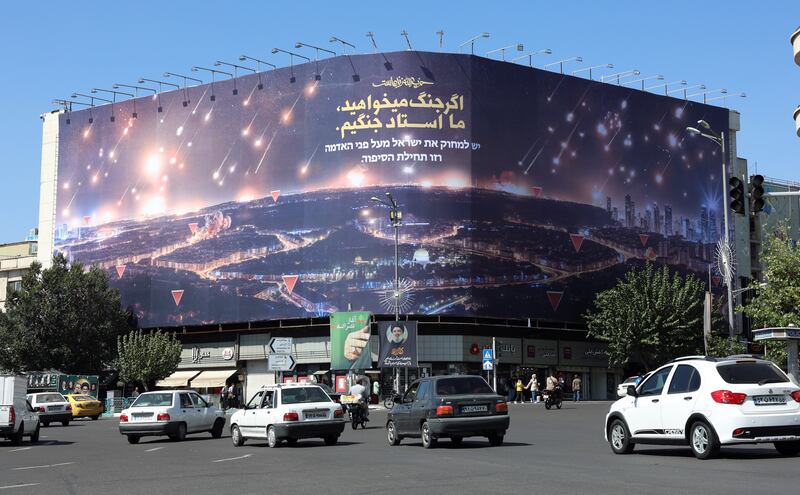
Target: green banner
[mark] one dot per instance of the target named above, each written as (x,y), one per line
(350,346)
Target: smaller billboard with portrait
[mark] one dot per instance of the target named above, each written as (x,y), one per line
(350,345)
(79,385)
(398,344)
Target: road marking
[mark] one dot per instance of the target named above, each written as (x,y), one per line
(44,466)
(23,448)
(233,458)
(154,449)
(18,486)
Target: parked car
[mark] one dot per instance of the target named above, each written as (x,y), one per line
(172,413)
(707,402)
(288,412)
(17,417)
(85,406)
(51,407)
(622,388)
(451,407)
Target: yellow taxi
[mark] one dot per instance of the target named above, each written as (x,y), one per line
(85,406)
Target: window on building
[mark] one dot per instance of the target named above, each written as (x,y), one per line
(13,286)
(33,249)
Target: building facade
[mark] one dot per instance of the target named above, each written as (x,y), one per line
(15,261)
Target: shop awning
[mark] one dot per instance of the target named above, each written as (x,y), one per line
(178,379)
(321,372)
(212,378)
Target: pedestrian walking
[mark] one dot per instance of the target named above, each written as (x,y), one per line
(576,389)
(533,386)
(135,393)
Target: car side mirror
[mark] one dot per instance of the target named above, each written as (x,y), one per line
(632,391)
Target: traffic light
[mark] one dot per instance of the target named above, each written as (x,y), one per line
(756,193)
(736,195)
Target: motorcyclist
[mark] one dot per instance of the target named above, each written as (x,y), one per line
(360,391)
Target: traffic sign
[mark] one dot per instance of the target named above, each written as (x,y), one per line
(280,345)
(488,366)
(488,355)
(281,362)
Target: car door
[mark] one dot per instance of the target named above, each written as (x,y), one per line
(31,419)
(205,415)
(402,411)
(643,413)
(678,403)
(419,408)
(188,411)
(265,414)
(248,419)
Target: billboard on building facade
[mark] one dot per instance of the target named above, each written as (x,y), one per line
(350,341)
(398,344)
(524,192)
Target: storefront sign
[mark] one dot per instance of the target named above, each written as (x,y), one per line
(208,355)
(198,354)
(508,350)
(584,353)
(227,354)
(540,352)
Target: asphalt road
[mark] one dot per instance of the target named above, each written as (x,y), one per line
(547,452)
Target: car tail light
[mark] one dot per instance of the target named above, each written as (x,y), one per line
(338,413)
(41,409)
(12,415)
(68,408)
(291,416)
(728,397)
(123,418)
(738,432)
(444,411)
(796,395)
(162,417)
(501,407)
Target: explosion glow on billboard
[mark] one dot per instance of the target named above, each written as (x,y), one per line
(523,192)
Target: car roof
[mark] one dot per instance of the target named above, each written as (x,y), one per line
(276,386)
(740,358)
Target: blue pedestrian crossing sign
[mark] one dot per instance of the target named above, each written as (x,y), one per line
(488,360)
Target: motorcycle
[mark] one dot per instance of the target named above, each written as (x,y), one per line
(357,409)
(552,397)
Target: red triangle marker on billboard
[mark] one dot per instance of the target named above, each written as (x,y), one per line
(275,195)
(290,281)
(577,241)
(193,227)
(643,239)
(86,220)
(177,295)
(537,191)
(555,298)
(120,270)
(650,254)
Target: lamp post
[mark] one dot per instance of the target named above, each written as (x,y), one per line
(601,66)
(686,89)
(471,43)
(258,67)
(344,43)
(666,86)
(725,97)
(519,47)
(618,75)
(396,218)
(214,72)
(560,63)
(530,55)
(136,94)
(705,93)
(719,138)
(114,99)
(291,60)
(316,58)
(158,94)
(185,101)
(91,101)
(236,68)
(642,80)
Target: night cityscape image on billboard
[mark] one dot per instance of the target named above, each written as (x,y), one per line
(524,192)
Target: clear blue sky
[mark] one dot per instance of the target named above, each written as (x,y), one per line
(50,50)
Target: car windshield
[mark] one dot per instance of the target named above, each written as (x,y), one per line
(631,379)
(46,398)
(751,372)
(326,388)
(81,398)
(303,395)
(464,385)
(153,400)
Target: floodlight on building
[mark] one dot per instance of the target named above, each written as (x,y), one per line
(471,43)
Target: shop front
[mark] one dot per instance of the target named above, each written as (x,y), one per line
(207,367)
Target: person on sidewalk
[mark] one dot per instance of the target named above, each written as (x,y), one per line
(533,386)
(518,388)
(576,389)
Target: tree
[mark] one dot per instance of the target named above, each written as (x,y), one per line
(147,357)
(64,318)
(720,346)
(777,303)
(649,317)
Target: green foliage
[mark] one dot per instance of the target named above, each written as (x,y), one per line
(649,317)
(64,318)
(720,346)
(147,357)
(777,303)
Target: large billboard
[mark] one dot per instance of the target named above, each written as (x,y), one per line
(523,192)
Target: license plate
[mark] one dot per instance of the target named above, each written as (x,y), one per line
(316,414)
(54,408)
(769,400)
(142,416)
(474,409)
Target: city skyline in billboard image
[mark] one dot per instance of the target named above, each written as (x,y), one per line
(524,192)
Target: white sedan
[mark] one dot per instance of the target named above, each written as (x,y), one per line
(622,388)
(288,412)
(172,413)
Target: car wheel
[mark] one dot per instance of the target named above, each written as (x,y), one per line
(272,437)
(703,440)
(496,440)
(428,440)
(133,439)
(331,440)
(95,417)
(65,423)
(456,441)
(16,438)
(619,437)
(216,430)
(236,436)
(391,434)
(35,434)
(291,441)
(787,448)
(180,433)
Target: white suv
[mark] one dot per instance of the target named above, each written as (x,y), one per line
(173,413)
(288,412)
(707,402)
